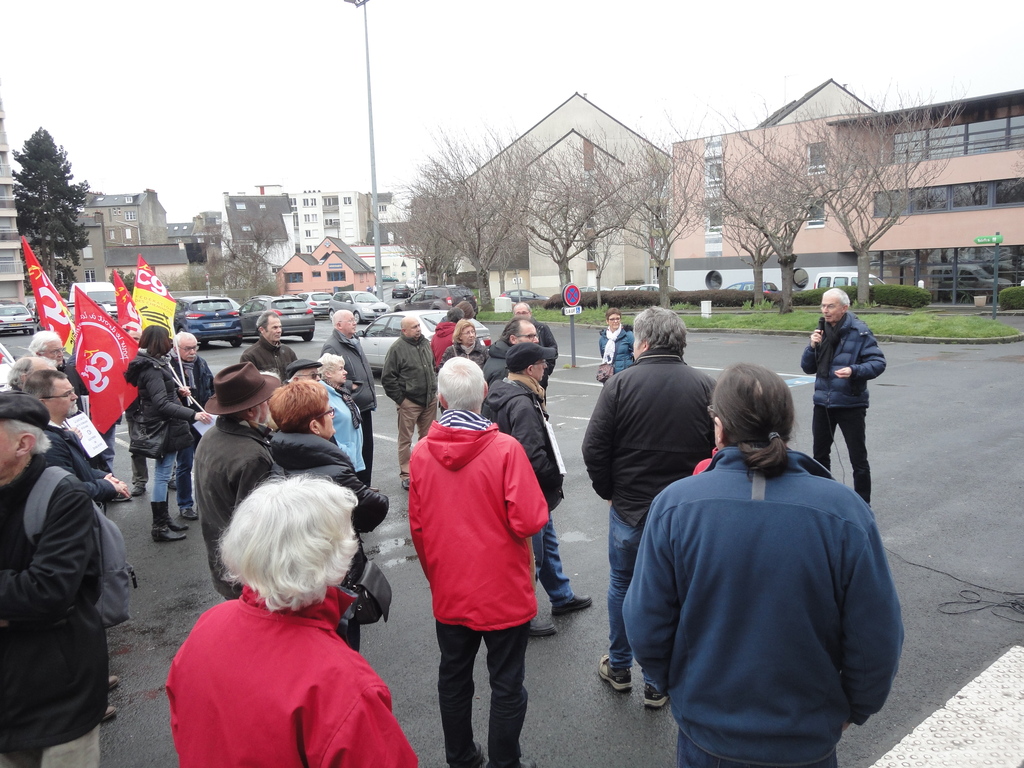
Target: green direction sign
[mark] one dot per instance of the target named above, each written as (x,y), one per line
(988,240)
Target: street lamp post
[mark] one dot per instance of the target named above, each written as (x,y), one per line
(374,212)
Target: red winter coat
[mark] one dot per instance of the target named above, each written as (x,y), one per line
(474,503)
(441,340)
(255,687)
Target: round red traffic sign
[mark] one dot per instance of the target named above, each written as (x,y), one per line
(571,295)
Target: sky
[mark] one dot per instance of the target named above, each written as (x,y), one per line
(194,99)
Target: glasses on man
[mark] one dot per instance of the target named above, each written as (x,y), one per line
(527,336)
(313,376)
(58,352)
(69,394)
(192,348)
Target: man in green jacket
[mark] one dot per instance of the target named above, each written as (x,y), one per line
(408,378)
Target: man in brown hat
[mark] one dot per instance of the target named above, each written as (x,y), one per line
(233,457)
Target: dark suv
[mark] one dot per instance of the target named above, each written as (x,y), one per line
(438,297)
(208,318)
(296,317)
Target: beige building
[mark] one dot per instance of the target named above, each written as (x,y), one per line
(136,218)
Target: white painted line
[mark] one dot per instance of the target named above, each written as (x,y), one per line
(981,726)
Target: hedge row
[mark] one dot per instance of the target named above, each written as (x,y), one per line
(1011,298)
(909,296)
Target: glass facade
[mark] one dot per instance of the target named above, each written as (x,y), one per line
(952,275)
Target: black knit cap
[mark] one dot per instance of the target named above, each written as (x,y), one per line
(19,406)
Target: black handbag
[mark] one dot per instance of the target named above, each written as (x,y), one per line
(149,438)
(373,594)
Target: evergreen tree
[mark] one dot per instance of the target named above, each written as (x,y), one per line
(49,205)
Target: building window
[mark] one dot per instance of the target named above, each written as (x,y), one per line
(714,221)
(246,228)
(111,234)
(292,202)
(336,277)
(973,138)
(311,218)
(1010,192)
(929,199)
(970,195)
(90,275)
(293,277)
(239,206)
(713,172)
(816,158)
(127,233)
(130,215)
(816,215)
(116,212)
(87,252)
(309,202)
(331,222)
(382,208)
(316,273)
(347,200)
(309,233)
(330,201)
(309,249)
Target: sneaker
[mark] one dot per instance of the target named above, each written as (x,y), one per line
(653,698)
(619,679)
(109,715)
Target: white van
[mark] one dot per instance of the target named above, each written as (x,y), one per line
(102,293)
(839,279)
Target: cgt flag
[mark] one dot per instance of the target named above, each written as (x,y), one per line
(152,299)
(53,312)
(104,351)
(127,314)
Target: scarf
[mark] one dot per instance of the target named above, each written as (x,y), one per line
(827,347)
(609,347)
(533,385)
(357,418)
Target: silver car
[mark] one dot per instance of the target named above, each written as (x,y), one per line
(365,306)
(384,331)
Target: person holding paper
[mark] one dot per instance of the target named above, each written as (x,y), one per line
(195,375)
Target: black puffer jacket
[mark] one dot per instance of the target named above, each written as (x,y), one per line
(517,412)
(53,656)
(298,453)
(158,398)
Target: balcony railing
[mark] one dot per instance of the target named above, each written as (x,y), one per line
(7,202)
(7,235)
(5,170)
(10,267)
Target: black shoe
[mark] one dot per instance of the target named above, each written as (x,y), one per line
(166,534)
(620,679)
(541,628)
(177,527)
(527,763)
(188,513)
(139,490)
(172,485)
(119,499)
(578,603)
(653,698)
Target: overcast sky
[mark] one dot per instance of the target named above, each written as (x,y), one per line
(194,99)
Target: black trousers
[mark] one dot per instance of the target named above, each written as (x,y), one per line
(851,422)
(365,474)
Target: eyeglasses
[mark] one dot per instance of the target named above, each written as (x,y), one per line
(183,348)
(329,412)
(58,352)
(315,376)
(527,336)
(69,394)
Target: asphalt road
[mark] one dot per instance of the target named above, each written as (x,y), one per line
(945,443)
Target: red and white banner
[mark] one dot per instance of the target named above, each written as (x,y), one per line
(127,315)
(104,351)
(50,307)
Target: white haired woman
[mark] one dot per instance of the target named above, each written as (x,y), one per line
(348,433)
(266,679)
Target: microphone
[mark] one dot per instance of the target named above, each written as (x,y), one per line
(821,324)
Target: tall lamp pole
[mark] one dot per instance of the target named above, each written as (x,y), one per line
(375,211)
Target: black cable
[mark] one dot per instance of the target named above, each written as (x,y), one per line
(971,601)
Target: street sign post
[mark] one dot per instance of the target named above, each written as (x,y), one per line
(571,297)
(995,240)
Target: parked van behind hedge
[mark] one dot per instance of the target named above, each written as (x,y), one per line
(839,279)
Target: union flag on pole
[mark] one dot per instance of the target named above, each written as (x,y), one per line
(152,299)
(53,312)
(127,315)
(104,351)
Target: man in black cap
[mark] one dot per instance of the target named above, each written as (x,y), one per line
(233,457)
(303,370)
(54,701)
(519,406)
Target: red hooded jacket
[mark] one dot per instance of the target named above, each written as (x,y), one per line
(441,340)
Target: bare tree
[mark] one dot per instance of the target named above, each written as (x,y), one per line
(751,241)
(866,168)
(252,253)
(574,200)
(421,234)
(663,201)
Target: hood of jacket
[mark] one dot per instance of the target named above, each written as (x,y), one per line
(499,349)
(503,391)
(142,361)
(454,448)
(731,458)
(444,331)
(302,450)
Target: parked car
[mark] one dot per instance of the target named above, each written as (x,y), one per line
(364,305)
(208,318)
(319,302)
(839,279)
(749,286)
(16,317)
(438,297)
(624,288)
(524,295)
(296,318)
(6,361)
(382,332)
(389,279)
(649,287)
(401,291)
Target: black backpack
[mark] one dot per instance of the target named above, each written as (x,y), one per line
(116,572)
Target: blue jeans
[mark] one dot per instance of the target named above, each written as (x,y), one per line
(689,755)
(506,665)
(623,543)
(549,565)
(162,476)
(183,478)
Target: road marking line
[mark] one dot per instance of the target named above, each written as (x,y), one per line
(982,725)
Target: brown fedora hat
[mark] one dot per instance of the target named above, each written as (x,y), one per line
(239,387)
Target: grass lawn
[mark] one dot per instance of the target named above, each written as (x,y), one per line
(927,324)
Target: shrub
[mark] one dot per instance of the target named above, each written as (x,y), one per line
(1011,298)
(908,296)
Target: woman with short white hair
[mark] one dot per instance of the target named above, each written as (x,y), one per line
(266,679)
(348,421)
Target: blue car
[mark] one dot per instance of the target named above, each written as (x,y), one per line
(209,318)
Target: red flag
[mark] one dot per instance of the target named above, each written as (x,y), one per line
(53,312)
(104,351)
(127,314)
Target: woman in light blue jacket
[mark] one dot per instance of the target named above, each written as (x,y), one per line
(347,421)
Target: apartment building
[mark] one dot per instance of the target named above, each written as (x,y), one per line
(11,270)
(134,218)
(344,216)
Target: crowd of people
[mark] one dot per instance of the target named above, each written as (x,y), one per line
(274,456)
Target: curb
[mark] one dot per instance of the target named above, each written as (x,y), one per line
(878,336)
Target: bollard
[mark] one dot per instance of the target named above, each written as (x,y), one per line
(705,309)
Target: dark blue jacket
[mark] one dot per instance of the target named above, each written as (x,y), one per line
(857,349)
(623,348)
(770,623)
(66,452)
